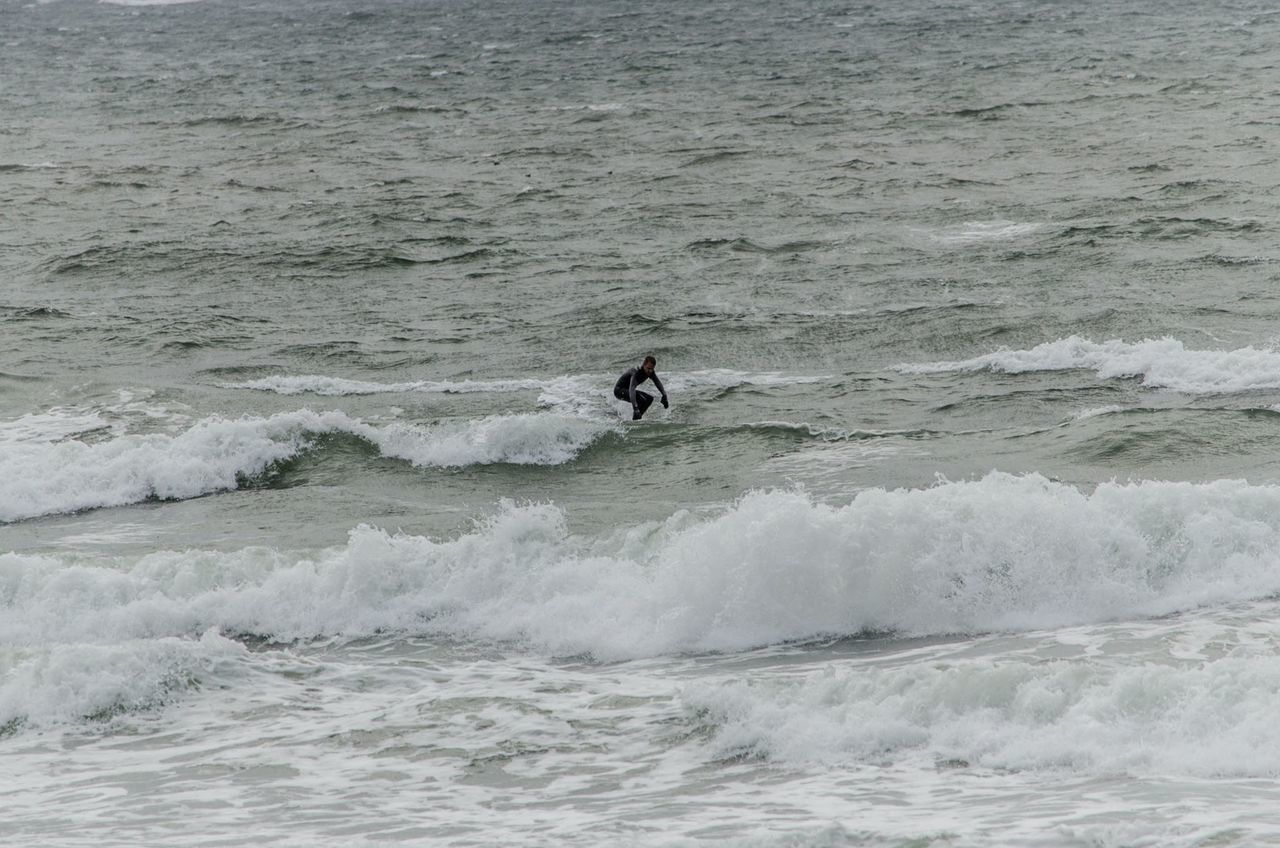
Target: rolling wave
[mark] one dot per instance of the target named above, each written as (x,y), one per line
(1003,553)
(42,476)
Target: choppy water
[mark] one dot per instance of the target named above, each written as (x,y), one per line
(319,526)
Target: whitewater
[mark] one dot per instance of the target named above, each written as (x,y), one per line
(320,524)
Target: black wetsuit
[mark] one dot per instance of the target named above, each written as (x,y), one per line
(625,389)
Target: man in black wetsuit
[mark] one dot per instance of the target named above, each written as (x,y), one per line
(625,388)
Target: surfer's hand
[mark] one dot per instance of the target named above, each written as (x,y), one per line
(665,405)
(635,414)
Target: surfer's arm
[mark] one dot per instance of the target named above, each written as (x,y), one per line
(631,389)
(661,388)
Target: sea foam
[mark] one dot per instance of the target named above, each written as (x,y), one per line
(42,477)
(1003,553)
(1161,363)
(1207,719)
(51,426)
(66,683)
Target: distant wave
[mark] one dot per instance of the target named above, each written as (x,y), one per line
(147,2)
(1161,363)
(338,386)
(1004,553)
(827,434)
(725,378)
(1097,411)
(975,232)
(43,476)
(578,385)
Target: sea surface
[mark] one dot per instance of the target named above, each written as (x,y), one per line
(319,525)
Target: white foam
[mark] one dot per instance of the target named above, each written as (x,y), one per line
(1001,553)
(1161,363)
(215,454)
(66,683)
(528,439)
(1211,719)
(39,479)
(1097,411)
(974,232)
(101,418)
(50,426)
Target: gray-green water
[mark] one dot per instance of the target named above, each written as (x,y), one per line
(317,516)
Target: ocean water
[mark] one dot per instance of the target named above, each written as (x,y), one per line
(319,525)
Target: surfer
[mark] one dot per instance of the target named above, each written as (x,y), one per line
(625,388)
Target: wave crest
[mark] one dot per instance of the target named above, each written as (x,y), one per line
(218,454)
(1001,553)
(1161,363)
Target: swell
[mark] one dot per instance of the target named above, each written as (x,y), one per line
(127,260)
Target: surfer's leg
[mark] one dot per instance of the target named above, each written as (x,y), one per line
(643,399)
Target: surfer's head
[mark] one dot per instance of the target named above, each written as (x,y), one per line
(649,364)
